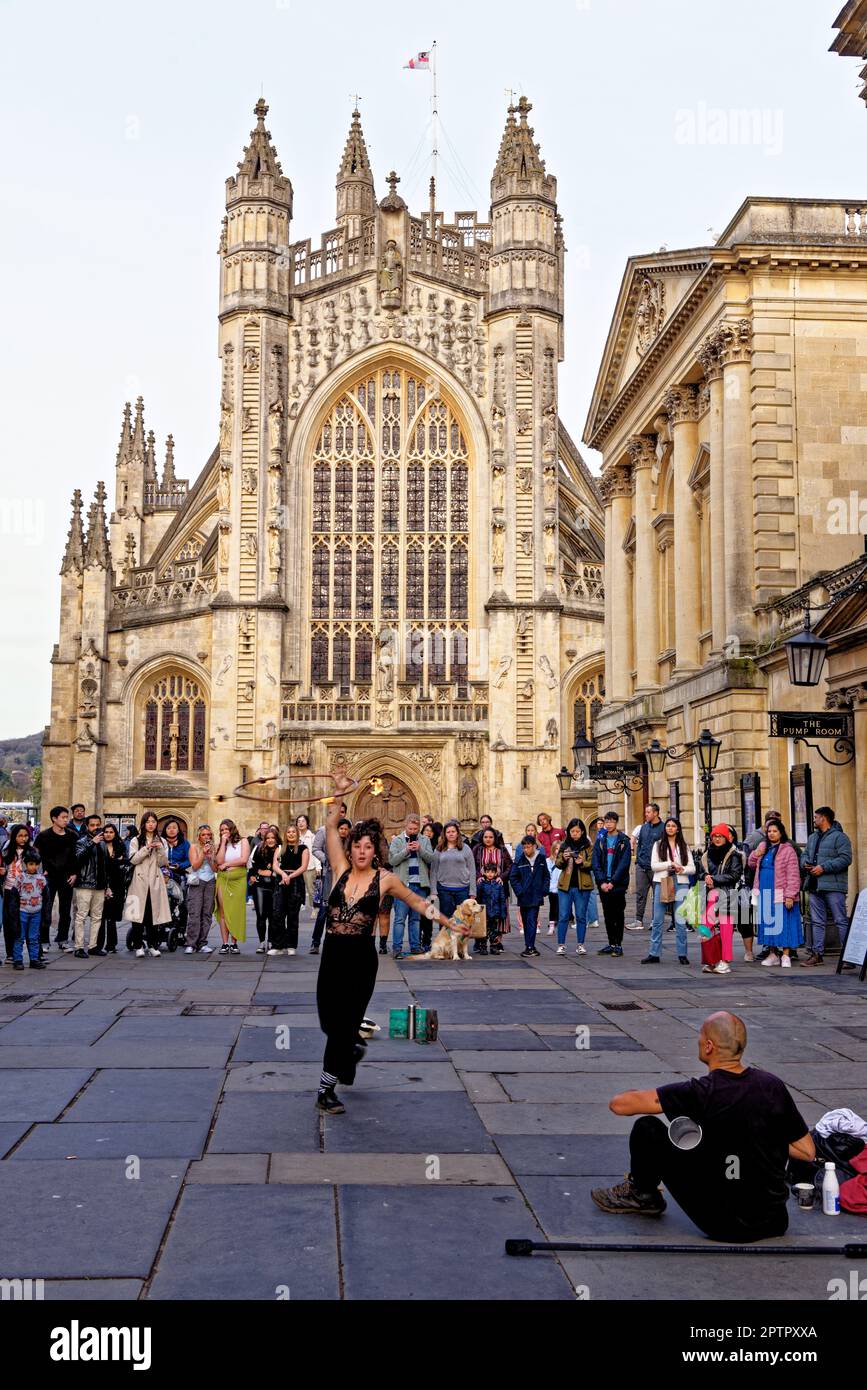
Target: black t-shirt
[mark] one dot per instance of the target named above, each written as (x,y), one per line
(748,1121)
(58,851)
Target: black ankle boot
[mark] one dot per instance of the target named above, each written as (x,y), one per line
(383,945)
(327,1101)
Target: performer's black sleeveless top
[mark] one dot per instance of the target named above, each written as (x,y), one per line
(357,918)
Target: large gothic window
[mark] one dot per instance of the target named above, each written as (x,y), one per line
(588,705)
(175,724)
(390,544)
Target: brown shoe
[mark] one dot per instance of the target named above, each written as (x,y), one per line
(811,960)
(627,1199)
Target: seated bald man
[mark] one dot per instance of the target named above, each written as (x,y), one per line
(733,1184)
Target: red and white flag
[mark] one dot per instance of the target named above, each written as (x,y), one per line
(420,62)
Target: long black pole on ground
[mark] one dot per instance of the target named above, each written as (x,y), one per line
(853,1251)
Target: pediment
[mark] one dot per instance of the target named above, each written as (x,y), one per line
(652,292)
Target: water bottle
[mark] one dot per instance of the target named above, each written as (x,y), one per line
(830,1191)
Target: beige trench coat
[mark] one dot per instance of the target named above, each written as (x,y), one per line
(147,878)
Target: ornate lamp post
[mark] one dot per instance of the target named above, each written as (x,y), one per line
(705,750)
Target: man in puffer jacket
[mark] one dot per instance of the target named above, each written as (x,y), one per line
(826,867)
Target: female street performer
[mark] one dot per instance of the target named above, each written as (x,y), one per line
(347,973)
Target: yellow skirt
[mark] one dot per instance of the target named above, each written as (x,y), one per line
(230,908)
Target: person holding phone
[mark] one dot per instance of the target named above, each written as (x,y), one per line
(410,855)
(147,902)
(91,881)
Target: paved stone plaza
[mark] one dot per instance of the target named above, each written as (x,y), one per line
(245,1192)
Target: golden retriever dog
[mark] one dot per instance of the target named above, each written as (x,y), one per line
(450,944)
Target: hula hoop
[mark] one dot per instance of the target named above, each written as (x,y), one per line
(243,792)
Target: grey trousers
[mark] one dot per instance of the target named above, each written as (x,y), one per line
(643,886)
(200,912)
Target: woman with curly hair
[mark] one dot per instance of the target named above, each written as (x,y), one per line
(233,851)
(347,973)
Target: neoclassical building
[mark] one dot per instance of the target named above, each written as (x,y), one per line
(391,562)
(731,414)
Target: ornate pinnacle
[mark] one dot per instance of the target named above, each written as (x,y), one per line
(73,558)
(137,448)
(125,435)
(169,469)
(150,469)
(96,551)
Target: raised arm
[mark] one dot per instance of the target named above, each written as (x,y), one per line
(334,846)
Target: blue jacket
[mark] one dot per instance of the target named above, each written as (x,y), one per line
(493,896)
(833,850)
(648,835)
(619,876)
(530,882)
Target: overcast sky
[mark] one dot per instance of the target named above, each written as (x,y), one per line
(121,122)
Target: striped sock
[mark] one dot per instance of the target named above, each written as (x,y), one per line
(327,1082)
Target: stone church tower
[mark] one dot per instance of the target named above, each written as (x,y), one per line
(392,561)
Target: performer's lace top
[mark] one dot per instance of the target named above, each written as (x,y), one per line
(353,916)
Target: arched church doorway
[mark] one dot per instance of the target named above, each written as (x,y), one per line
(391,807)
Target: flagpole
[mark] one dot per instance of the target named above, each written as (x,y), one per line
(436,130)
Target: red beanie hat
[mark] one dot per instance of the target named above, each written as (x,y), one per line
(722,830)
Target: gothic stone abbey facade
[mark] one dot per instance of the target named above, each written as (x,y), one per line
(391,562)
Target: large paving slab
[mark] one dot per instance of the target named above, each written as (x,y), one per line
(391,1169)
(388,1122)
(250,1242)
(266,1123)
(148,1095)
(88,1219)
(559,1155)
(378,1075)
(39,1094)
(182,1140)
(441,1240)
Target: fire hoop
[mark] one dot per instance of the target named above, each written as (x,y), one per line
(243,792)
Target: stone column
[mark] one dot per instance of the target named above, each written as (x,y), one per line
(642,456)
(681,404)
(708,356)
(735,349)
(618,498)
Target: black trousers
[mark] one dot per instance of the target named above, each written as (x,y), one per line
(146,929)
(106,937)
(614,911)
(11,919)
(264,904)
(347,978)
(61,890)
(705,1197)
(287,910)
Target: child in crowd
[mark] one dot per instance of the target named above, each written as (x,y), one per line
(491,893)
(553,897)
(31,886)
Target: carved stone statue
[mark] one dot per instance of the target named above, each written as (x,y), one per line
(224,548)
(522,623)
(550,548)
(385,666)
(227,417)
(498,488)
(275,426)
(251,543)
(503,668)
(391,277)
(548,671)
(498,428)
(549,487)
(468,796)
(525,479)
(650,313)
(552,734)
(526,542)
(224,490)
(274,550)
(498,546)
(274,489)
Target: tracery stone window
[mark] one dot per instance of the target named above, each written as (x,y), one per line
(588,705)
(390,546)
(175,724)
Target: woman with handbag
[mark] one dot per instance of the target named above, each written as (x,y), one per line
(147,902)
(575,884)
(723,871)
(672,866)
(777,895)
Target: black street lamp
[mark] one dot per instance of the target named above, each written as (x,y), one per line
(565,778)
(805,653)
(705,750)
